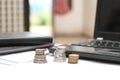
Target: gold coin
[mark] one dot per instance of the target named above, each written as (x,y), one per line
(73,58)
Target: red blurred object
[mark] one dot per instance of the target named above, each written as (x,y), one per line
(61,7)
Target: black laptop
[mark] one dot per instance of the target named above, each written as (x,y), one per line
(15,42)
(23,39)
(106,43)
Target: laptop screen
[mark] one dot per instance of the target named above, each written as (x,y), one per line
(107,23)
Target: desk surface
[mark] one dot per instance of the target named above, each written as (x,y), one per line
(21,67)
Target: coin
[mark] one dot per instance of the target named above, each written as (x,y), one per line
(59,54)
(40,57)
(40,51)
(73,58)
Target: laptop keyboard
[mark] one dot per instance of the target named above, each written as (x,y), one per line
(100,44)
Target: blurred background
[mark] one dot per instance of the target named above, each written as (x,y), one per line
(66,20)
(41,16)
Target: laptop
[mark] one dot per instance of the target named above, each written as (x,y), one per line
(106,43)
(15,42)
(23,39)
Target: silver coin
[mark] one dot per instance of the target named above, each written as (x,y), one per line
(40,57)
(40,51)
(59,54)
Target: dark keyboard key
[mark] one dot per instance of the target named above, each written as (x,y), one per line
(97,43)
(103,44)
(110,44)
(116,45)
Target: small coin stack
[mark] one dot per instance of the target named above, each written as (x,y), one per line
(73,58)
(59,54)
(40,57)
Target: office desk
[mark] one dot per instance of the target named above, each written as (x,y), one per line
(25,69)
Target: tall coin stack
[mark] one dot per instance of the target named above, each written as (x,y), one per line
(59,54)
(40,57)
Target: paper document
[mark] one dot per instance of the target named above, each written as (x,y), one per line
(18,58)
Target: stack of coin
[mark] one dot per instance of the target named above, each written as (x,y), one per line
(40,57)
(59,54)
(73,58)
